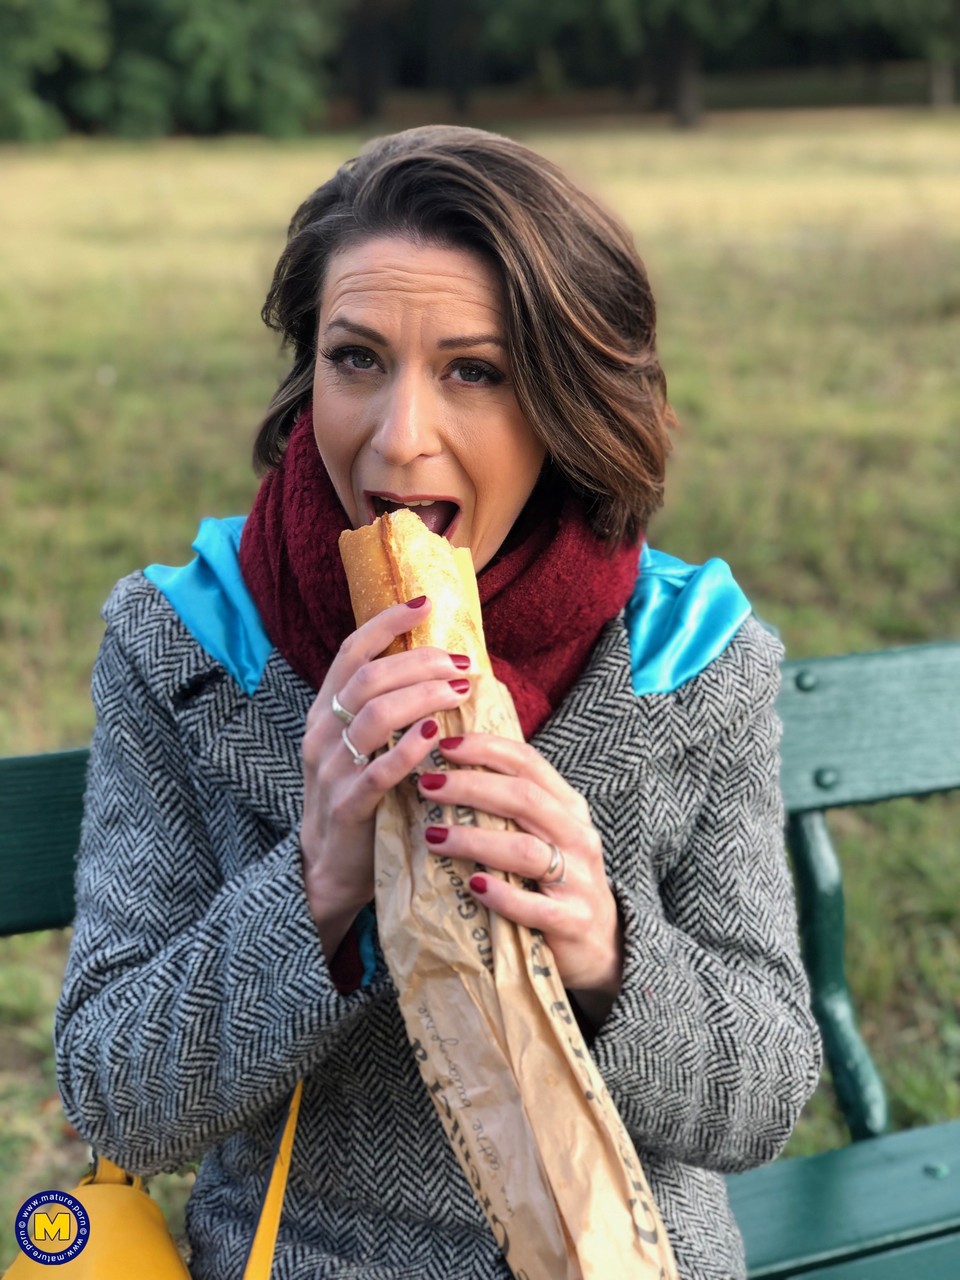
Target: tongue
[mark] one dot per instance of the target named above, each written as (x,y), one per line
(437,516)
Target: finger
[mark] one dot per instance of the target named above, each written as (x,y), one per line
(400,672)
(520,759)
(353,689)
(359,789)
(582,933)
(517,852)
(377,634)
(369,641)
(554,917)
(379,721)
(517,798)
(389,768)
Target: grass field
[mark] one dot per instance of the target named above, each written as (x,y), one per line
(808,269)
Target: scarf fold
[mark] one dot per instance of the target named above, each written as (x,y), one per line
(544,601)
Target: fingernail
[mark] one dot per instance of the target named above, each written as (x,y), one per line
(460,661)
(432,781)
(449,744)
(478,884)
(460,686)
(436,835)
(429,728)
(418,603)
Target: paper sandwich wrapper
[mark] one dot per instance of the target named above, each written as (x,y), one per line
(516,1089)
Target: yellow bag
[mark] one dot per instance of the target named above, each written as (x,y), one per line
(128,1235)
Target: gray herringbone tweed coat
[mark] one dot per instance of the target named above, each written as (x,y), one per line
(197,993)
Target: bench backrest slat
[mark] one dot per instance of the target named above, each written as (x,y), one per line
(870,726)
(41,805)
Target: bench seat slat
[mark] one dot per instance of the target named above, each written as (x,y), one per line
(838,1205)
(931,1260)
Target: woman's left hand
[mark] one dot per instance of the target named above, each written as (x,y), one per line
(578,917)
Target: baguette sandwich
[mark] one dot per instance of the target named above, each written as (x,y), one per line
(397,558)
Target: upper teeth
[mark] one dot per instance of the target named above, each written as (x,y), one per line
(422,502)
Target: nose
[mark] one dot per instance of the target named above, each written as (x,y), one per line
(408,425)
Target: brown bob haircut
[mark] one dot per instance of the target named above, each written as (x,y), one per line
(579,315)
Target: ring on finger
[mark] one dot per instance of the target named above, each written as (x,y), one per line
(340,711)
(359,759)
(557,862)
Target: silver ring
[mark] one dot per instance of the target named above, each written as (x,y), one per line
(359,759)
(557,860)
(340,711)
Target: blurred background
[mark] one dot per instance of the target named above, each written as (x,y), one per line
(791,172)
(151,68)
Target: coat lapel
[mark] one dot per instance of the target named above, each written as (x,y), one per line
(602,733)
(249,745)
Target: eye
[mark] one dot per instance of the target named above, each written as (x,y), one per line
(351,359)
(475,372)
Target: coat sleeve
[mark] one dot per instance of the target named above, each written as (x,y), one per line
(193,998)
(711,1050)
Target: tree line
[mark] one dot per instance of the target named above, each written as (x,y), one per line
(142,68)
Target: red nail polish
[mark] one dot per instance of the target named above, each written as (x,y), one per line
(478,884)
(418,603)
(449,744)
(460,661)
(436,835)
(460,686)
(429,728)
(432,781)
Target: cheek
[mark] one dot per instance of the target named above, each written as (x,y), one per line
(331,431)
(526,462)
(510,472)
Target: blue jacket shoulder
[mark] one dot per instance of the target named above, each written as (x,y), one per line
(211,599)
(679,619)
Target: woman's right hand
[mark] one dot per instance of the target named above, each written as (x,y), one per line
(384,695)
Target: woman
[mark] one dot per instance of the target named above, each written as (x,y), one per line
(472,336)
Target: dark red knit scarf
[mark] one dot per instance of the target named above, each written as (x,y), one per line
(545,601)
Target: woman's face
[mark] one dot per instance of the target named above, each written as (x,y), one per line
(413,399)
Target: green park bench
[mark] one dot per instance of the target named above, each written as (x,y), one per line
(859,728)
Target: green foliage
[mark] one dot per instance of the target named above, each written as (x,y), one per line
(824,16)
(143,69)
(931,27)
(530,33)
(36,37)
(517,26)
(713,22)
(253,66)
(146,68)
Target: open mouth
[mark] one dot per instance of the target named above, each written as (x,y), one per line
(438,514)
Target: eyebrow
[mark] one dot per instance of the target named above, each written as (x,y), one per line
(445,344)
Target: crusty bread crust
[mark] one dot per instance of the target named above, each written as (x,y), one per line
(397,558)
